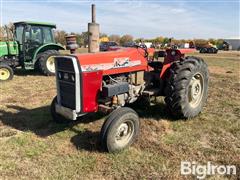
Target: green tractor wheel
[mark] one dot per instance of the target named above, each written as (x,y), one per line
(6,73)
(50,64)
(46,62)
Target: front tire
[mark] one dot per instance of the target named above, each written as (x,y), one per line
(120,130)
(55,116)
(187,87)
(46,62)
(6,73)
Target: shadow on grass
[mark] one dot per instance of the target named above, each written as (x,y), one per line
(87,140)
(22,72)
(39,121)
(157,111)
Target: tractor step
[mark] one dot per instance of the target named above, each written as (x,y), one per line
(151,92)
(28,65)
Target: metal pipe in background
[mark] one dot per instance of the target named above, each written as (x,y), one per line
(93,13)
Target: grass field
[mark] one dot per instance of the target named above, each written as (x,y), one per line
(34,147)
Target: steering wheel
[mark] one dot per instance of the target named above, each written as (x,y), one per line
(144,47)
(174,46)
(33,42)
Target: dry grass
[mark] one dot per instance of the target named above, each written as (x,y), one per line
(33,147)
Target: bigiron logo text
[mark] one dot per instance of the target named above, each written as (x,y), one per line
(201,171)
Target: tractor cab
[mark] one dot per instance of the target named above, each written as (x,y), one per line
(33,47)
(30,36)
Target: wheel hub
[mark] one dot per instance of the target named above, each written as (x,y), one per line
(4,74)
(51,64)
(124,133)
(122,130)
(196,90)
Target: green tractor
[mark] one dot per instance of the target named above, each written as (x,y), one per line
(33,47)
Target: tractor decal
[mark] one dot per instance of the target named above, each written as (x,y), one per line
(117,63)
(121,62)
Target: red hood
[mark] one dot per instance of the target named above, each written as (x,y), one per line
(112,62)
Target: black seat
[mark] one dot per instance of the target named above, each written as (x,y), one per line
(157,65)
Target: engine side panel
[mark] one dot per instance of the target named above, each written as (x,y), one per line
(91,85)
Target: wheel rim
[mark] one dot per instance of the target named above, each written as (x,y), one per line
(195,91)
(51,64)
(4,74)
(124,133)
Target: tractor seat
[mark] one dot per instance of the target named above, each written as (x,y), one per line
(156,65)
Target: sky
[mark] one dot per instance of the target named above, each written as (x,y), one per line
(143,19)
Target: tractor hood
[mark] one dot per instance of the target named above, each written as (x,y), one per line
(113,62)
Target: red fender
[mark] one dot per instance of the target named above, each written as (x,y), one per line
(172,56)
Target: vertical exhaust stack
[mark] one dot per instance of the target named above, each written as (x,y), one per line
(93,33)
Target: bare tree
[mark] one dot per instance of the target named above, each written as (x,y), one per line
(5,31)
(84,36)
(200,43)
(115,38)
(60,37)
(103,35)
(126,38)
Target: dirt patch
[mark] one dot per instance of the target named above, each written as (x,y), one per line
(220,70)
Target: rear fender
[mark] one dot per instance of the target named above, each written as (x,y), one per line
(172,55)
(45,47)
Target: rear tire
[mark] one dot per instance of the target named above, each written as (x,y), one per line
(55,116)
(6,73)
(46,62)
(120,130)
(187,87)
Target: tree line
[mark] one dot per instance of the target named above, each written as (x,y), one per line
(82,38)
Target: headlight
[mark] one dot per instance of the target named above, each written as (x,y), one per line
(65,76)
(60,75)
(73,77)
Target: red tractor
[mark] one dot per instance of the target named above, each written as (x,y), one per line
(107,81)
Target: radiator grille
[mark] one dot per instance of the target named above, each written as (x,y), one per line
(66,82)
